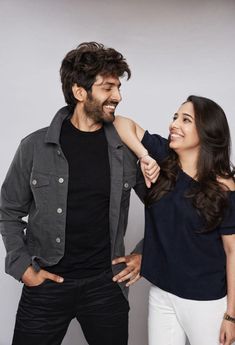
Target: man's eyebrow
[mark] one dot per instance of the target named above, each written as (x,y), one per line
(111,83)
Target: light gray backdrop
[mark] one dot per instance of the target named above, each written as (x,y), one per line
(174,48)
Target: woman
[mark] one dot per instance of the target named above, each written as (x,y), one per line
(189,246)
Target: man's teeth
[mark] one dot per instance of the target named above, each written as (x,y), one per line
(110,106)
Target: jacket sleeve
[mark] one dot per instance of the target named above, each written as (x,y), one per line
(15,202)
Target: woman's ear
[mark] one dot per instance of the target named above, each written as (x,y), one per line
(79,93)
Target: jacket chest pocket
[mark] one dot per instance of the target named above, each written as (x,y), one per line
(40,184)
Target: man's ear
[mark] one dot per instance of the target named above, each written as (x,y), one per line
(79,93)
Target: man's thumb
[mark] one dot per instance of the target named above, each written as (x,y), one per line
(54,277)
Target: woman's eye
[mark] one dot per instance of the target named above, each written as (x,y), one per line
(186,119)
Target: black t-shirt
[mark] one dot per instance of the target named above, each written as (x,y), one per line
(87,243)
(176,257)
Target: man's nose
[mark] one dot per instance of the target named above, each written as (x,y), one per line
(116,95)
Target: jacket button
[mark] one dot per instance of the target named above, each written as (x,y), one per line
(34,182)
(61,180)
(59,210)
(126,185)
(58,152)
(58,240)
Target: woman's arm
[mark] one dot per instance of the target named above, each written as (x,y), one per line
(131,134)
(227,332)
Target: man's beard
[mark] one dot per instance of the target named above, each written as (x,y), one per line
(94,110)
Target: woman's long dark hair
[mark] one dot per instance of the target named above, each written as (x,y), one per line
(208,196)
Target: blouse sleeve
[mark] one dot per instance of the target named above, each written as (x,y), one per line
(227,227)
(157,146)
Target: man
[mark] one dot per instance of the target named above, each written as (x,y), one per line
(73,181)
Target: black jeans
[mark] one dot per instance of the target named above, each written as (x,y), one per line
(45,311)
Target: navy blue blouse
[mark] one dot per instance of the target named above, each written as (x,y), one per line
(176,257)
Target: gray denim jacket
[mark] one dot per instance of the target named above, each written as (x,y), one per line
(34,196)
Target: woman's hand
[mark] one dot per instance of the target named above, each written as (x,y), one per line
(227,332)
(150,169)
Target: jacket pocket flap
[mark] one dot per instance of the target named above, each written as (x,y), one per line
(38,180)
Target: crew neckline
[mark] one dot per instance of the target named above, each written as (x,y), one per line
(75,129)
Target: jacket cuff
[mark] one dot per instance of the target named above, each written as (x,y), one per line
(18,268)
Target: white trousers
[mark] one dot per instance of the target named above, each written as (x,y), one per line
(173,319)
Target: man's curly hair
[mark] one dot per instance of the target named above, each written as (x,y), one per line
(81,66)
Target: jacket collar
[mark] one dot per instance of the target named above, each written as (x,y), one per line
(53,132)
